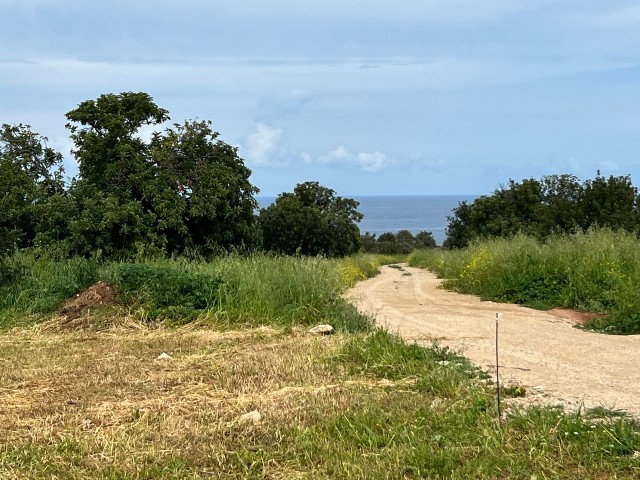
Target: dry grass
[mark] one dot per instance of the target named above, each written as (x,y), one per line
(84,402)
(98,403)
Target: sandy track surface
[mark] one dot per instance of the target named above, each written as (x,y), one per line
(545,353)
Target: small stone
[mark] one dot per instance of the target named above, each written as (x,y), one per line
(321,330)
(538,389)
(87,424)
(164,356)
(253,417)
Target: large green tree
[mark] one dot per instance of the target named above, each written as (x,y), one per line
(183,190)
(610,202)
(212,203)
(311,221)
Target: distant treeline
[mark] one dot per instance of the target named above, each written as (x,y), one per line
(554,204)
(393,243)
(185,192)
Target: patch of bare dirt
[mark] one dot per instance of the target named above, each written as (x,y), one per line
(96,295)
(541,351)
(578,318)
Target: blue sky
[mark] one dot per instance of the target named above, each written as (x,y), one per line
(366,97)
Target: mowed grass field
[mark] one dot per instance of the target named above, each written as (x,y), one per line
(91,399)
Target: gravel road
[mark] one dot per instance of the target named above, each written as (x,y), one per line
(541,351)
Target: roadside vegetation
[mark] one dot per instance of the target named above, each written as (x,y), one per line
(555,204)
(227,291)
(94,399)
(597,271)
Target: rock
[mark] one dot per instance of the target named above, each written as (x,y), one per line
(87,424)
(321,330)
(253,417)
(164,356)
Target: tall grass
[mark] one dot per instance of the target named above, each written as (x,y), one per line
(31,285)
(597,271)
(231,290)
(362,266)
(282,290)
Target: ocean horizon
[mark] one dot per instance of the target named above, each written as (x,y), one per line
(392,213)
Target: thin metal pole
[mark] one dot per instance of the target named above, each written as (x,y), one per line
(498,314)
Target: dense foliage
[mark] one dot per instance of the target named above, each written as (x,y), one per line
(554,204)
(596,271)
(403,242)
(229,290)
(30,177)
(184,191)
(311,221)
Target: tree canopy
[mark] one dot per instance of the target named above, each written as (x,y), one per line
(554,204)
(184,190)
(30,176)
(311,221)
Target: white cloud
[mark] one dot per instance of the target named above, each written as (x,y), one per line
(263,147)
(372,162)
(365,161)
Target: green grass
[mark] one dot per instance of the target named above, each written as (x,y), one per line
(31,286)
(230,290)
(97,404)
(598,271)
(364,406)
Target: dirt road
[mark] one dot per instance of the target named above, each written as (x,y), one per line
(545,353)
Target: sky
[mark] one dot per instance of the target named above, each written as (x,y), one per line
(416,97)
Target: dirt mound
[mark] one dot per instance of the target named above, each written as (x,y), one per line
(97,294)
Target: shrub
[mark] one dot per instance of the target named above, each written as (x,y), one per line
(166,288)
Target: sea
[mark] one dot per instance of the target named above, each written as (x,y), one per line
(393,213)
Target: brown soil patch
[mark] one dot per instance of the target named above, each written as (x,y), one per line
(97,294)
(575,316)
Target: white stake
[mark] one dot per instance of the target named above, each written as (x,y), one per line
(498,315)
